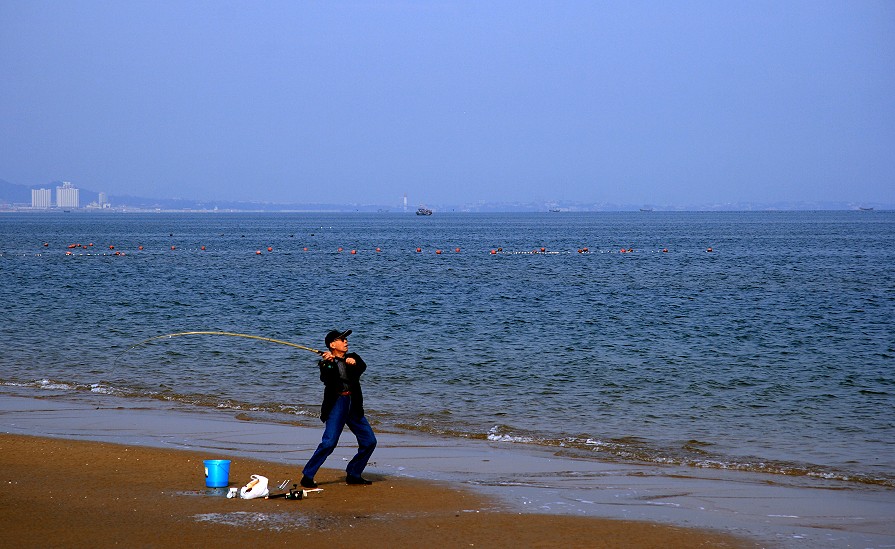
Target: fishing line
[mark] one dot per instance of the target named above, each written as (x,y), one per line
(230,334)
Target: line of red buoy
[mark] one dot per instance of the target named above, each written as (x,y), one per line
(438,251)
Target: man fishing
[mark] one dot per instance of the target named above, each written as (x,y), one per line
(343,404)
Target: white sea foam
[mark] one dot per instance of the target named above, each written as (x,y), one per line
(54,386)
(495,436)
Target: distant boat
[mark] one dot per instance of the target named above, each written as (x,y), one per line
(865,209)
(646,209)
(423,211)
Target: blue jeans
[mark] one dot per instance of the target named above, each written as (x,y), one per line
(338,418)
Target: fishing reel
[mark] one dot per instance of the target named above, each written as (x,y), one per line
(294,493)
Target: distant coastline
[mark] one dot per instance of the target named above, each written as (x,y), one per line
(17,198)
(350,208)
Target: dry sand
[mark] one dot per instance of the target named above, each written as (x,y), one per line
(65,493)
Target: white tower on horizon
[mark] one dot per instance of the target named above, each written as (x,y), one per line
(405,202)
(41,199)
(67,196)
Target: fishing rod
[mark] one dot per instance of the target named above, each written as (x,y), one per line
(230,334)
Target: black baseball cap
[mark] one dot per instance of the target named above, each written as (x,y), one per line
(334,335)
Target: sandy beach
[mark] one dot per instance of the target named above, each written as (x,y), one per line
(67,493)
(101,471)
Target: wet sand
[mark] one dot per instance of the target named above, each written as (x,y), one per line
(73,493)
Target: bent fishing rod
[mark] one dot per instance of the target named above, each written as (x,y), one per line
(230,334)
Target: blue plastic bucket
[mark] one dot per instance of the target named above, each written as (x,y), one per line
(217,473)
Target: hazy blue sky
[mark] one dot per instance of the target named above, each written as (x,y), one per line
(667,102)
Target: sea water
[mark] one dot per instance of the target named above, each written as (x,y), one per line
(753,341)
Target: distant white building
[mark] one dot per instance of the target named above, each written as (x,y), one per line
(41,199)
(103,200)
(68,196)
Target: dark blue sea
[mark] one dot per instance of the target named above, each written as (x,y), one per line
(753,341)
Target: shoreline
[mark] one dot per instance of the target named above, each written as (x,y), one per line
(751,509)
(99,494)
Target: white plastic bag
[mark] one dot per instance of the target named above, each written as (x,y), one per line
(256,488)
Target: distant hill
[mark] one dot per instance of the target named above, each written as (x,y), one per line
(11,193)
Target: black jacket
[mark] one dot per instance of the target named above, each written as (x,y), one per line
(335,385)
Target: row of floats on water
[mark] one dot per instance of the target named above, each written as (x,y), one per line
(494,251)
